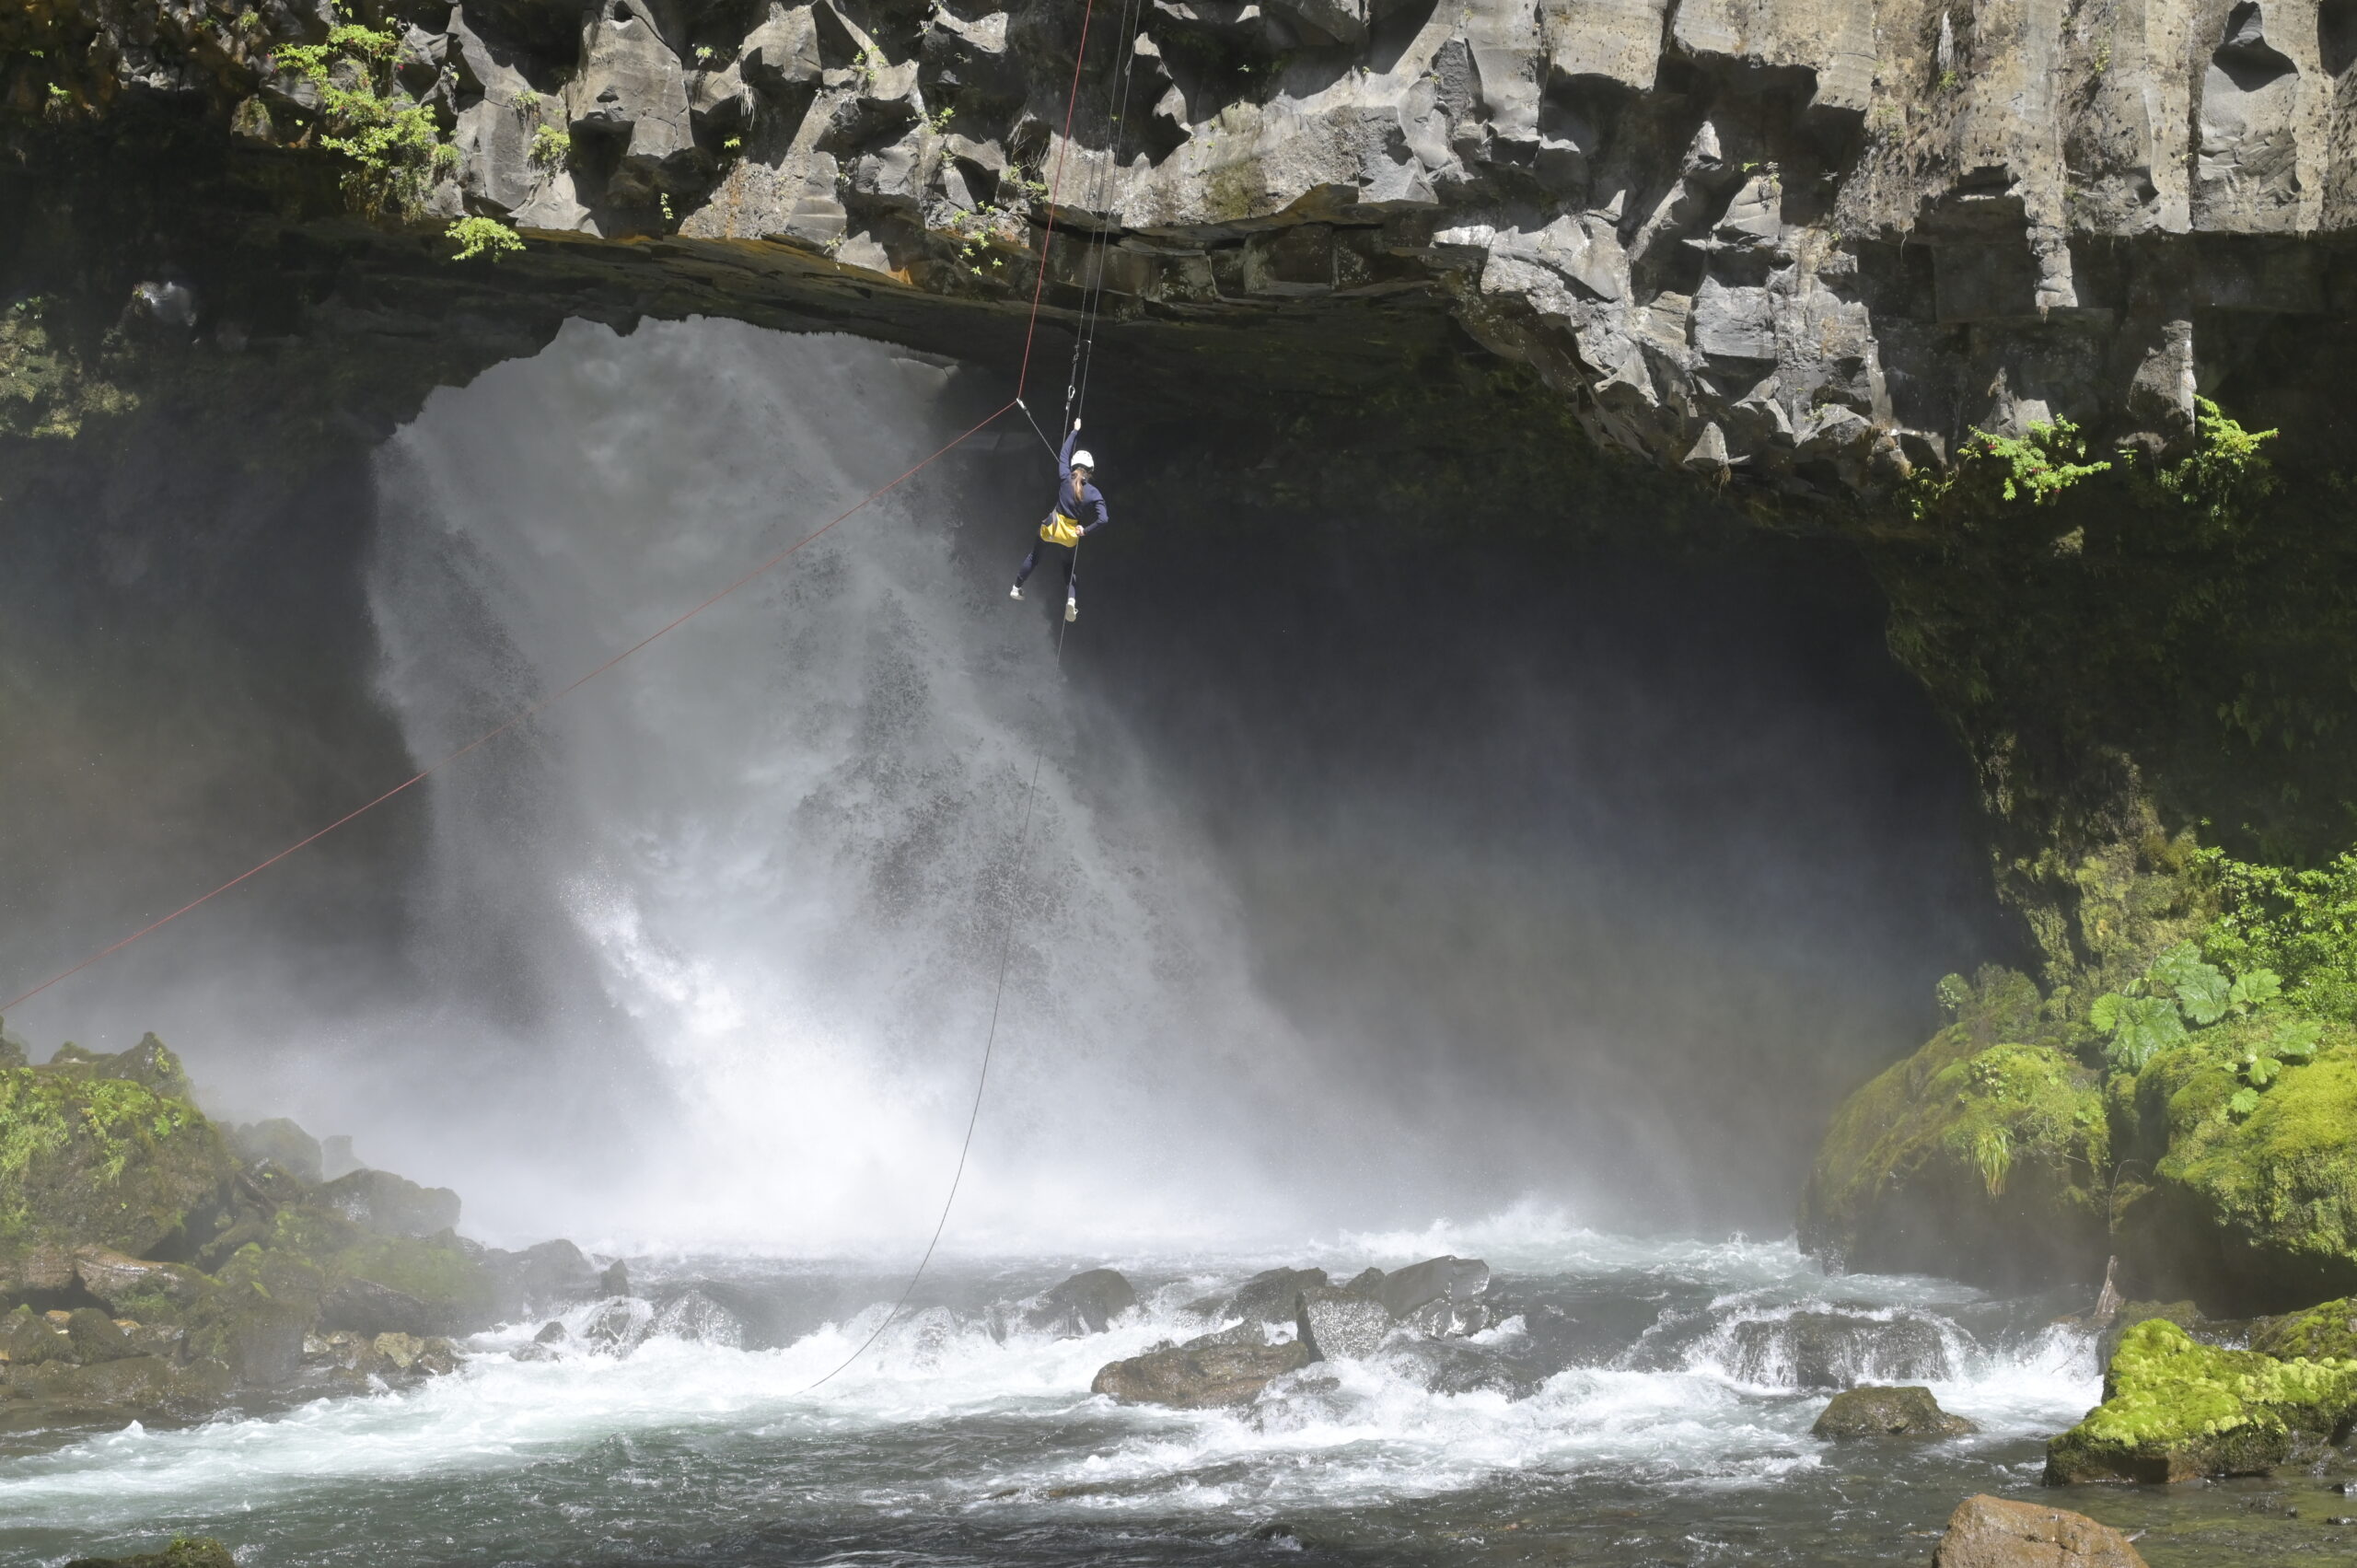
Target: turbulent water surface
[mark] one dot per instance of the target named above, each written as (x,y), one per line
(1635,1406)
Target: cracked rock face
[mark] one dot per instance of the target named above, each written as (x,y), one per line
(1802,244)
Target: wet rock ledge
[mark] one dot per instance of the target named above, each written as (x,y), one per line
(156,1266)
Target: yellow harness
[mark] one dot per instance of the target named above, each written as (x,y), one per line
(1061,529)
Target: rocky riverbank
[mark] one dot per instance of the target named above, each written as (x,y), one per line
(156,1266)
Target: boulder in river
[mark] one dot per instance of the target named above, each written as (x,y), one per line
(1882,1411)
(1435,1279)
(1336,1325)
(1266,1298)
(696,1316)
(1837,1350)
(546,1278)
(385,1204)
(1086,1304)
(2321,1334)
(2176,1409)
(1230,1367)
(1990,1532)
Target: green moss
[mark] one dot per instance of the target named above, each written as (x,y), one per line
(184,1551)
(1987,1160)
(435,1270)
(2328,1332)
(2176,1410)
(2276,1189)
(104,1160)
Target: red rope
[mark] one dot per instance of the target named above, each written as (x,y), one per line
(1030,330)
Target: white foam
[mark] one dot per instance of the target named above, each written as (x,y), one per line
(1331,1435)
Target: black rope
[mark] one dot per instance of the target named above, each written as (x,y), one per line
(1076,385)
(990,1040)
(1084,344)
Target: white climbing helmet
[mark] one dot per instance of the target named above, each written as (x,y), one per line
(1083,460)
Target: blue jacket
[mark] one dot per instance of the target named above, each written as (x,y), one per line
(1089,513)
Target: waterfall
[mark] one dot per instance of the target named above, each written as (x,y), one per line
(761,872)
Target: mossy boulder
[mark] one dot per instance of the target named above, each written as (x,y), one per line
(279,1144)
(2250,1208)
(1980,1159)
(114,1161)
(2328,1332)
(347,1276)
(2176,1409)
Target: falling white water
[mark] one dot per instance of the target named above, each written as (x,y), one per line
(776,847)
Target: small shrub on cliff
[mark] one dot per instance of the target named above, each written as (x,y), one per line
(396,148)
(482,236)
(1992,472)
(2224,474)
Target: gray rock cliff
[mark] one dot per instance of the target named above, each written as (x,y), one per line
(1804,244)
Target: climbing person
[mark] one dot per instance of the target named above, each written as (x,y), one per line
(1076,499)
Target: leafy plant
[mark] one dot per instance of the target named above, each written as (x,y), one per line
(479,236)
(2224,471)
(2035,467)
(2179,988)
(2300,926)
(396,148)
(551,147)
(1992,1156)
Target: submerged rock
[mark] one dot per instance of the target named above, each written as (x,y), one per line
(185,1551)
(1836,1350)
(1335,1325)
(618,1325)
(695,1316)
(1883,1412)
(2176,1409)
(1451,1367)
(1086,1304)
(1230,1367)
(1990,1532)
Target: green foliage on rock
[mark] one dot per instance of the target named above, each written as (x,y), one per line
(2298,924)
(1993,471)
(2176,1410)
(2326,1333)
(395,145)
(479,236)
(183,1552)
(2224,474)
(1980,1155)
(102,1159)
(2254,1202)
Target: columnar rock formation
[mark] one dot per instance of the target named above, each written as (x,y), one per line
(1808,243)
